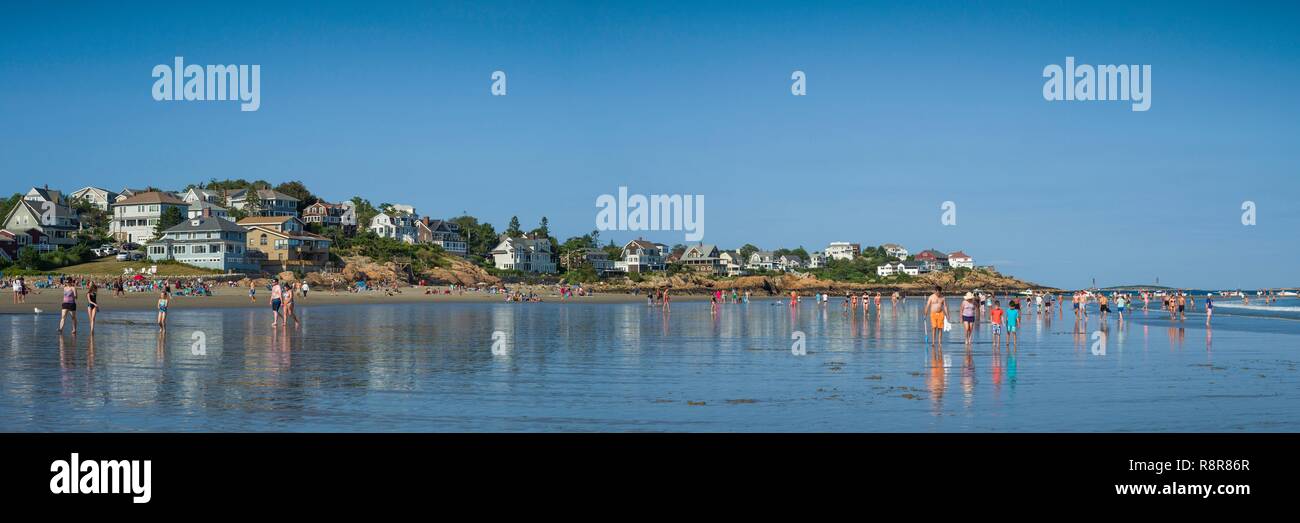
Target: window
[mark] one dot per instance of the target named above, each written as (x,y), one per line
(263,242)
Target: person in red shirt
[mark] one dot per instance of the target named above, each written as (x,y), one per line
(995,317)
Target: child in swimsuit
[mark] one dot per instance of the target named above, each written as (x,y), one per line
(162,311)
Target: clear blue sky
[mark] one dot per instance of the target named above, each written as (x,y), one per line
(908,106)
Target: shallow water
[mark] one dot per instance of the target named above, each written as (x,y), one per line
(589,367)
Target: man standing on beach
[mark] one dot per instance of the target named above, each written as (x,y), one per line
(276,293)
(937,308)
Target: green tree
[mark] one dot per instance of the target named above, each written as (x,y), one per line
(170,217)
(514,230)
(747,250)
(365,211)
(298,190)
(28,258)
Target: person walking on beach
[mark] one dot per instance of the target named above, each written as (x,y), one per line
(937,309)
(252,292)
(968,315)
(92,305)
(162,311)
(18,290)
(305,288)
(289,294)
(1209,309)
(277,293)
(1182,304)
(69,305)
(1104,304)
(996,315)
(1013,325)
(1121,301)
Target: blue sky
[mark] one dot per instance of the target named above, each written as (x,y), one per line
(909,105)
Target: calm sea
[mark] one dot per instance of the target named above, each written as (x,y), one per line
(628,367)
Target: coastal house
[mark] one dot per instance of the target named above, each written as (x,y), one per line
(816,260)
(41,224)
(204,208)
(761,261)
(960,259)
(135,217)
(524,254)
(127,192)
(895,250)
(910,268)
(8,245)
(285,243)
(40,195)
(641,256)
(913,268)
(100,198)
(195,194)
(206,241)
(263,202)
(843,250)
(888,268)
(398,223)
(325,214)
(703,258)
(442,233)
(595,258)
(789,262)
(733,264)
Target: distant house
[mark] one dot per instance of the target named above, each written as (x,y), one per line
(732,263)
(524,254)
(816,260)
(761,261)
(267,203)
(932,260)
(960,259)
(128,192)
(703,258)
(40,195)
(8,245)
(398,223)
(442,233)
(789,262)
(41,224)
(895,250)
(342,215)
(206,241)
(201,208)
(888,269)
(843,250)
(285,243)
(195,194)
(135,217)
(100,198)
(641,256)
(595,258)
(913,268)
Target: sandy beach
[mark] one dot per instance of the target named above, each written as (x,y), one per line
(48,300)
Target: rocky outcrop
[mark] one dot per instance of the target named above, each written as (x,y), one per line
(460,272)
(805,284)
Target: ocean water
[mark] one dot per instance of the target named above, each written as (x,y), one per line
(628,367)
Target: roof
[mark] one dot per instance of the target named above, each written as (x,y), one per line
(642,244)
(204,204)
(958,254)
(206,223)
(152,197)
(264,194)
(892,246)
(703,250)
(264,220)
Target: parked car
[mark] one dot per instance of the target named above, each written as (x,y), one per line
(105,250)
(130,256)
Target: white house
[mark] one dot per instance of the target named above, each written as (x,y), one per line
(816,260)
(843,250)
(960,259)
(398,224)
(135,217)
(206,241)
(789,262)
(641,256)
(761,261)
(895,250)
(101,198)
(442,233)
(524,254)
(732,263)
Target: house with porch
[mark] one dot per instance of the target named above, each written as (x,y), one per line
(641,256)
(285,243)
(843,250)
(703,258)
(135,217)
(442,233)
(524,254)
(263,202)
(44,225)
(895,250)
(206,241)
(733,264)
(960,259)
(398,224)
(100,198)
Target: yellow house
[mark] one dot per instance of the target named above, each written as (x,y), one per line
(286,243)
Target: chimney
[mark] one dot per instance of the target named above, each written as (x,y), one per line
(207,212)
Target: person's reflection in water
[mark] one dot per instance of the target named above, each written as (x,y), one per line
(935,380)
(666,317)
(162,342)
(968,377)
(1011,370)
(90,353)
(998,369)
(1209,335)
(65,356)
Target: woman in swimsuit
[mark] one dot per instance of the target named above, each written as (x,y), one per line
(162,311)
(69,305)
(92,305)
